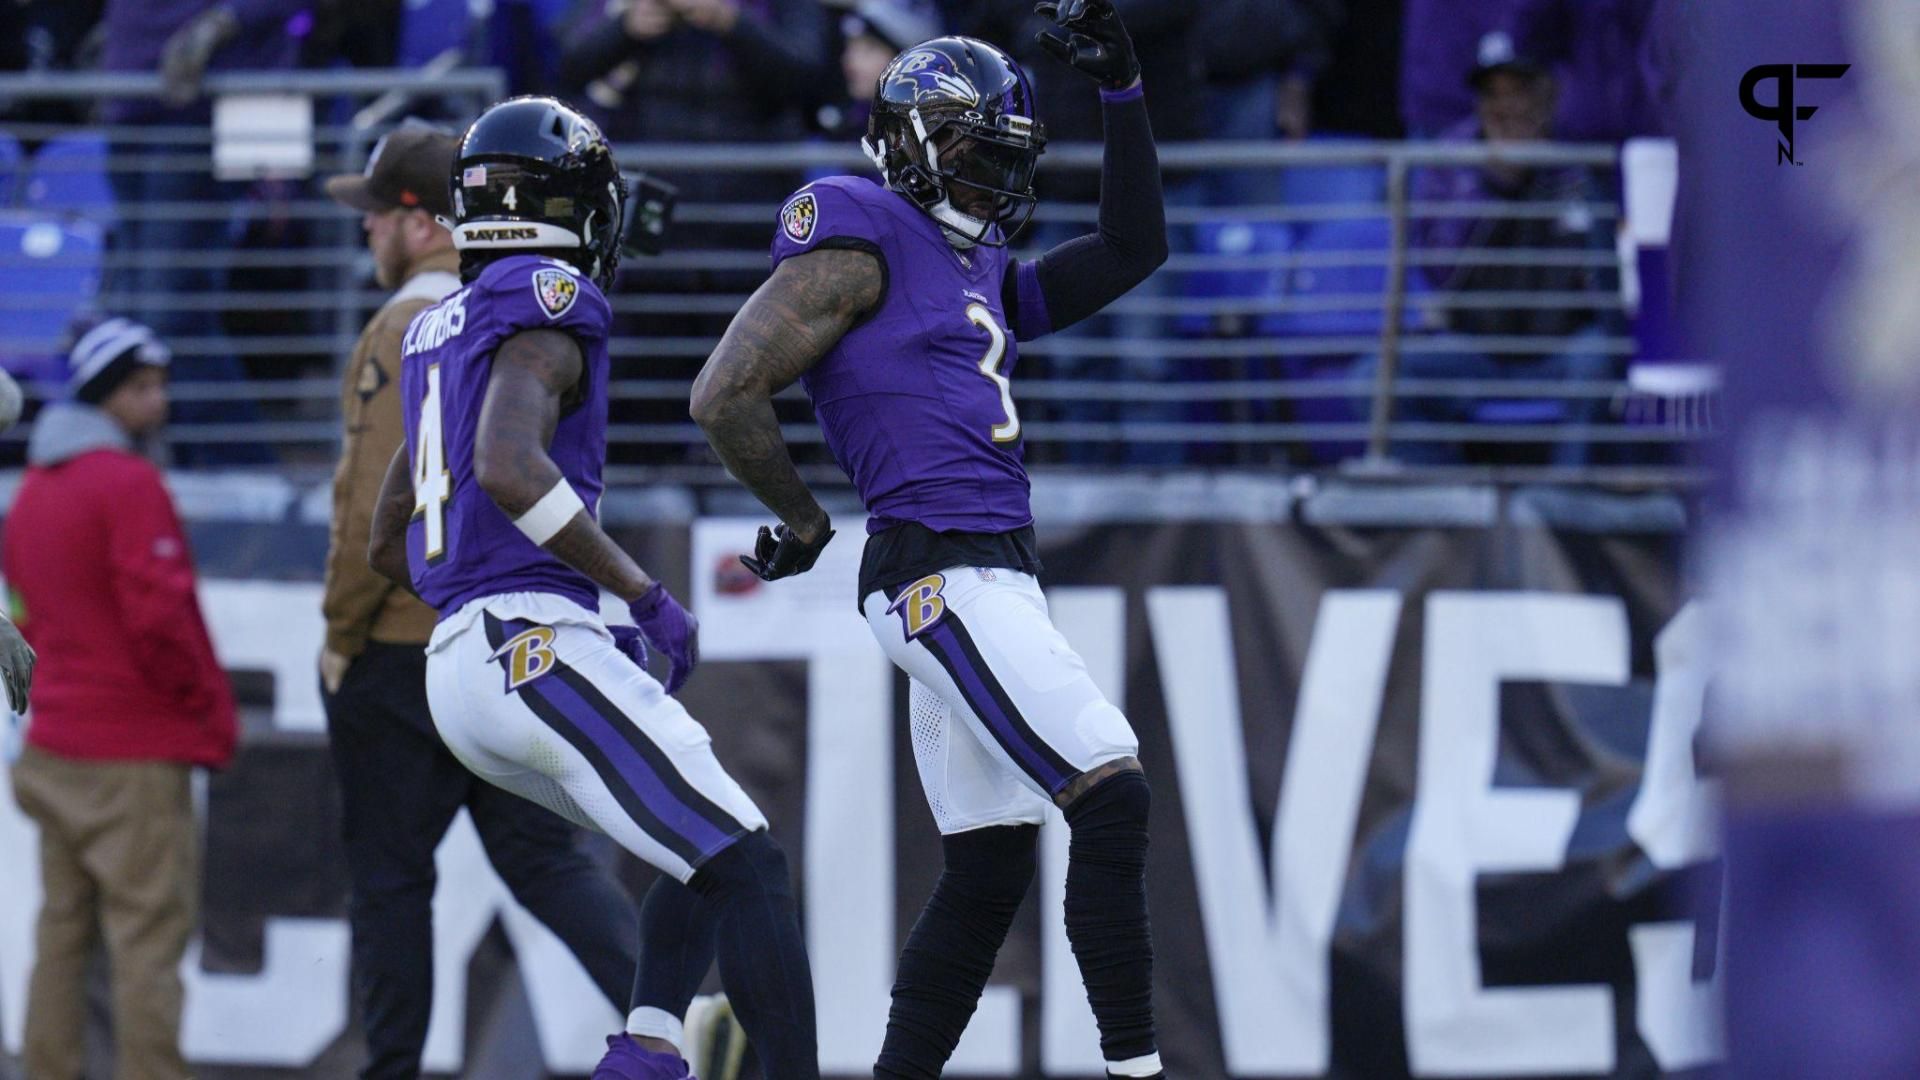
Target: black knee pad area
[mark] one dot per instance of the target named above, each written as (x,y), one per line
(1119,803)
(753,861)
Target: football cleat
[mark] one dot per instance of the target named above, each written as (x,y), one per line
(627,1060)
(715,1043)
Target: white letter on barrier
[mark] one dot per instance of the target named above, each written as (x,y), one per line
(570,1015)
(1462,827)
(1094,621)
(849,872)
(1270,960)
(1674,820)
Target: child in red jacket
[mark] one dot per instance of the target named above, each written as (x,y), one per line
(128,697)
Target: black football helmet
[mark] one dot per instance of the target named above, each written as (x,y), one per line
(953,130)
(535,174)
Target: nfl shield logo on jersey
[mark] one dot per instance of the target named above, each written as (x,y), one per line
(799,217)
(557,291)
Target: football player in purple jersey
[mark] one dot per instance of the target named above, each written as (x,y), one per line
(898,307)
(490,514)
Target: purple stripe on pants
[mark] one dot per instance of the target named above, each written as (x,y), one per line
(639,775)
(987,704)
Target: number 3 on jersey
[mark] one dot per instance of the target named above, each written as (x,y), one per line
(990,367)
(431,483)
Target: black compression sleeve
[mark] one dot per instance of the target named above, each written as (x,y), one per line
(1086,274)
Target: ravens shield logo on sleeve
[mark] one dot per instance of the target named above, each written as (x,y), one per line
(557,291)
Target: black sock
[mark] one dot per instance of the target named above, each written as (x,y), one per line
(677,943)
(763,957)
(950,951)
(1107,911)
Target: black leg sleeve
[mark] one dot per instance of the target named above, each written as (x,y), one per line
(1107,912)
(763,958)
(950,952)
(677,942)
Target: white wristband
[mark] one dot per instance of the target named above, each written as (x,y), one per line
(547,517)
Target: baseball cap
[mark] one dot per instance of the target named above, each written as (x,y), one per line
(411,166)
(1498,53)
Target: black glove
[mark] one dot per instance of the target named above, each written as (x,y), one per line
(1095,41)
(185,56)
(779,553)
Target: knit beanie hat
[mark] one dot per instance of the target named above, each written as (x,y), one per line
(105,355)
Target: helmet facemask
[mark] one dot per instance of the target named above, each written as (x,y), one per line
(971,175)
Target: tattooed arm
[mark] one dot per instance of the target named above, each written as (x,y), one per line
(811,301)
(387,544)
(536,374)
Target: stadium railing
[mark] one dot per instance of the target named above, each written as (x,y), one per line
(1274,338)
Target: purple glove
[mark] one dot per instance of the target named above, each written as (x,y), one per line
(629,640)
(671,630)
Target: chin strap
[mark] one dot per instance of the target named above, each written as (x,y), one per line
(963,231)
(877,154)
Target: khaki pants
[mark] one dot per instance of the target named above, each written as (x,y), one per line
(119,862)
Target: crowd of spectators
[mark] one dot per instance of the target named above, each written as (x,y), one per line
(753,71)
(1515,101)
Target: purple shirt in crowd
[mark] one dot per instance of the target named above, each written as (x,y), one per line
(915,401)
(1440,46)
(1598,50)
(134,32)
(460,545)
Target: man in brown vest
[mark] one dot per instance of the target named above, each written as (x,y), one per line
(400,786)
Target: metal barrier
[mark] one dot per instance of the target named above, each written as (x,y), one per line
(1276,335)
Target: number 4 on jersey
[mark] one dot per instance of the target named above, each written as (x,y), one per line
(431,483)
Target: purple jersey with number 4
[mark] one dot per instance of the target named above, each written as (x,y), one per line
(460,545)
(916,401)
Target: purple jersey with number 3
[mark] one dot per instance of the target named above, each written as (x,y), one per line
(460,545)
(916,402)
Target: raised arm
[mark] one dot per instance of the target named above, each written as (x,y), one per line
(787,325)
(1083,275)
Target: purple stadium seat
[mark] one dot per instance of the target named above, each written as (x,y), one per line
(431,27)
(1323,185)
(10,159)
(1365,276)
(49,271)
(69,175)
(1519,411)
(1233,238)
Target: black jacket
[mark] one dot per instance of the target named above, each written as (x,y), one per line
(691,86)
